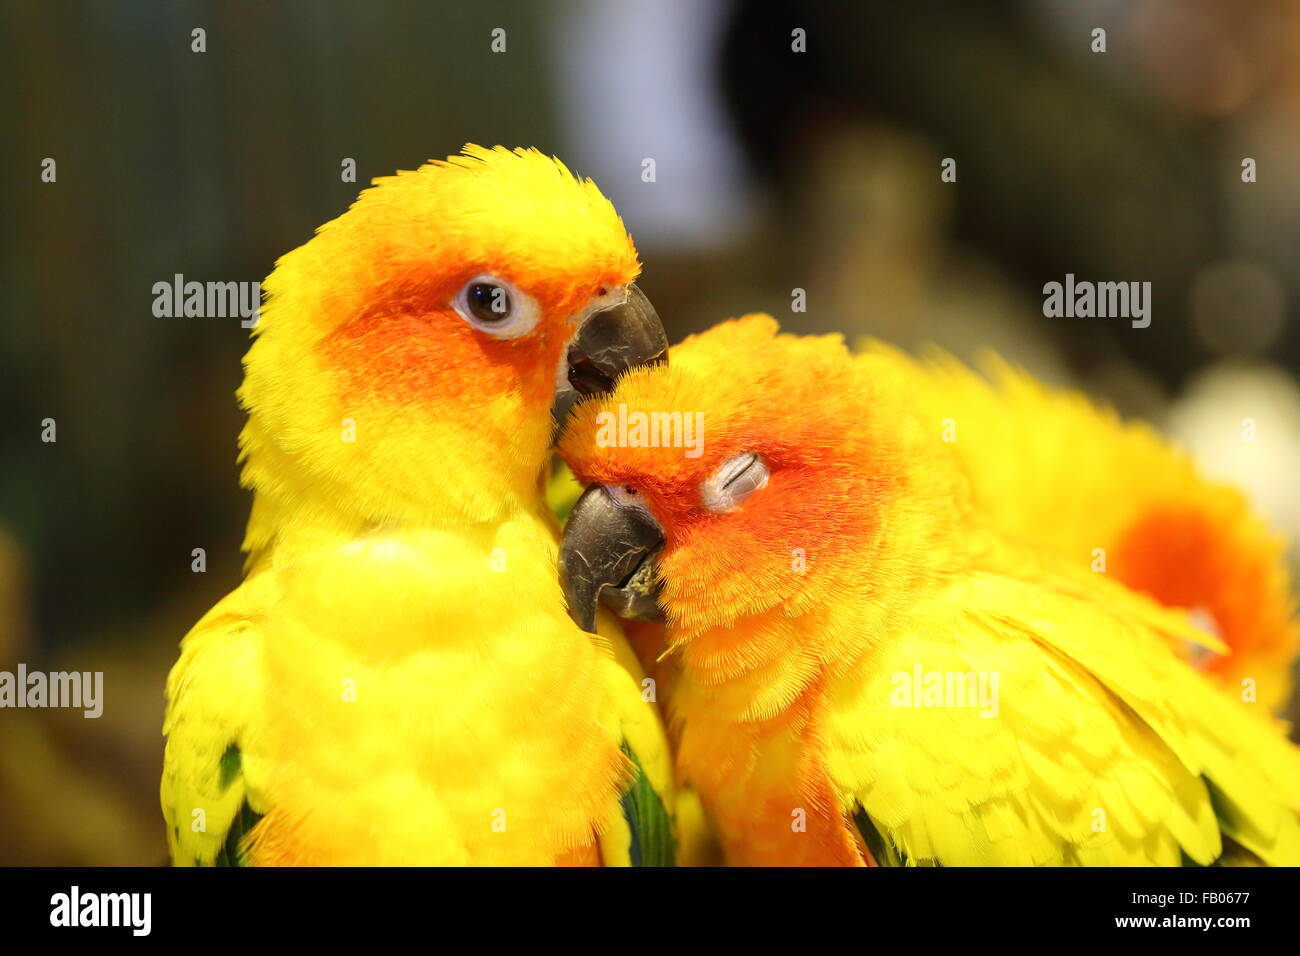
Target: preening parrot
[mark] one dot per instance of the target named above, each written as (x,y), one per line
(396,681)
(868,669)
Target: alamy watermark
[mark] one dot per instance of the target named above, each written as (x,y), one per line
(207,300)
(946,689)
(75,908)
(626,429)
(1101,300)
(75,689)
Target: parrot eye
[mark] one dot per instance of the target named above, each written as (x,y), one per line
(496,307)
(733,482)
(488,302)
(626,495)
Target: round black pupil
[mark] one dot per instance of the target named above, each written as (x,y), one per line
(489,303)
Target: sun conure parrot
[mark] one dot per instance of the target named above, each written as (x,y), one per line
(869,670)
(1051,467)
(396,680)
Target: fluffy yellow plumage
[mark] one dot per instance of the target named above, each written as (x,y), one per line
(1054,469)
(868,668)
(396,681)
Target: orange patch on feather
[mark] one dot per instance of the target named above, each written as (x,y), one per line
(1185,558)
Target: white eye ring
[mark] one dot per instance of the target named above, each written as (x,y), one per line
(496,307)
(735,480)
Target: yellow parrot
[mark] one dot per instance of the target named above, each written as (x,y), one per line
(396,680)
(868,669)
(1054,469)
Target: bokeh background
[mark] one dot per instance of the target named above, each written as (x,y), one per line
(775,171)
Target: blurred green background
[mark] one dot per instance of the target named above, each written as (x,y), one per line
(775,170)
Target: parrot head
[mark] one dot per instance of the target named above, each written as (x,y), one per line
(416,357)
(814,485)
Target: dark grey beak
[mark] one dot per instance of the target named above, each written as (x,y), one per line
(609,343)
(608,553)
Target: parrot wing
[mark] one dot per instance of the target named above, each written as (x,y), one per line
(643,833)
(1055,469)
(650,841)
(1050,723)
(209,785)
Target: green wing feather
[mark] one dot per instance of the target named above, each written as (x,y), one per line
(653,843)
(234,849)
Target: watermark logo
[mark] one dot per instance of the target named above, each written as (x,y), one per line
(76,689)
(626,429)
(1100,300)
(75,908)
(946,689)
(207,300)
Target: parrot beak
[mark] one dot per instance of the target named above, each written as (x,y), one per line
(608,343)
(609,552)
